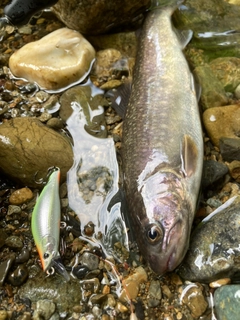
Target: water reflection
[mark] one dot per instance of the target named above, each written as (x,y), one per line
(93,179)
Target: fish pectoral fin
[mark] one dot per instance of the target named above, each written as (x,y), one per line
(184,37)
(189,156)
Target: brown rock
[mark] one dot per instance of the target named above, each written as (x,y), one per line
(96,17)
(222,122)
(234,169)
(29,148)
(20,196)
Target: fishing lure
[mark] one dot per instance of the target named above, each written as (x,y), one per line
(45,225)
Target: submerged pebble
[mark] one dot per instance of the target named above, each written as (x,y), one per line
(227,300)
(54,62)
(20,196)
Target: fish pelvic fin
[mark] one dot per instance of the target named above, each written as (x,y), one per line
(189,156)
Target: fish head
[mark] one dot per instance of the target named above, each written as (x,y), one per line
(166,225)
(48,251)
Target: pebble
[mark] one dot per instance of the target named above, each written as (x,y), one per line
(227,301)
(230,149)
(44,310)
(13,209)
(3,237)
(214,255)
(14,242)
(154,294)
(42,61)
(89,260)
(219,283)
(5,266)
(3,315)
(192,296)
(213,171)
(20,196)
(222,122)
(23,256)
(234,169)
(18,276)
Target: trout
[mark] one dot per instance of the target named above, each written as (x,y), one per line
(162,145)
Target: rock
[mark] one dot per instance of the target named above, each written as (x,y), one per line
(58,60)
(89,260)
(3,237)
(44,310)
(214,255)
(212,94)
(234,169)
(100,16)
(14,242)
(132,283)
(219,283)
(29,148)
(213,171)
(192,296)
(226,301)
(13,209)
(18,276)
(65,295)
(227,71)
(230,149)
(222,122)
(154,294)
(20,196)
(3,315)
(5,266)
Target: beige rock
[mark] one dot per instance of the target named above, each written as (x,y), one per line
(20,196)
(29,148)
(234,169)
(58,60)
(222,122)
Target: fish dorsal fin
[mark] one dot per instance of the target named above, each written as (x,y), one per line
(184,37)
(189,156)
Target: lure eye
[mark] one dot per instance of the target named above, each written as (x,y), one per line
(154,234)
(46,255)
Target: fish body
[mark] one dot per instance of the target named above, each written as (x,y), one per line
(162,145)
(45,225)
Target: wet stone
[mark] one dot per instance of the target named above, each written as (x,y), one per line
(44,310)
(234,169)
(212,172)
(19,276)
(5,266)
(90,260)
(20,196)
(154,294)
(13,209)
(227,300)
(23,256)
(14,242)
(230,149)
(3,237)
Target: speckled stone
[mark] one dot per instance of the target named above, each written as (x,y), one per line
(227,301)
(20,196)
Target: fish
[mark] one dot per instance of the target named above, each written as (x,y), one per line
(162,144)
(45,225)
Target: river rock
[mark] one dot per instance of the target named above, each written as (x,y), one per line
(65,295)
(230,149)
(222,122)
(227,70)
(212,91)
(226,301)
(58,60)
(234,169)
(29,148)
(215,255)
(96,17)
(20,196)
(213,172)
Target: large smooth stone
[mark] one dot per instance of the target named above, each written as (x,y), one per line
(101,16)
(58,60)
(226,300)
(29,148)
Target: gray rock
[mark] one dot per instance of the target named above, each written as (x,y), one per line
(230,149)
(44,310)
(155,294)
(214,255)
(14,242)
(90,260)
(96,17)
(212,172)
(227,300)
(5,266)
(29,148)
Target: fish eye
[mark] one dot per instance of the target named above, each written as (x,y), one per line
(154,234)
(46,255)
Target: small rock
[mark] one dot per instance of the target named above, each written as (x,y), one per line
(14,242)
(55,123)
(23,256)
(3,315)
(154,294)
(89,260)
(60,59)
(192,296)
(44,310)
(20,196)
(234,169)
(220,283)
(230,149)
(13,209)
(5,266)
(226,301)
(222,122)
(213,94)
(18,277)
(44,117)
(213,171)
(3,237)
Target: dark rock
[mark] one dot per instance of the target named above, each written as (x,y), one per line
(19,276)
(14,242)
(3,237)
(230,149)
(212,172)
(5,266)
(226,301)
(96,17)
